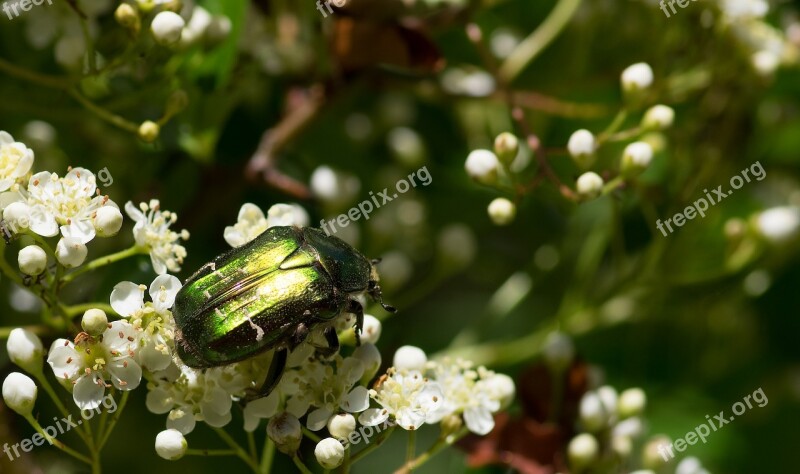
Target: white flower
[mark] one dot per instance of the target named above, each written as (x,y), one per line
(70,252)
(482,166)
(32,260)
(690,465)
(581,146)
(85,366)
(330,386)
(15,160)
(409,358)
(196,28)
(632,402)
(17,214)
(370,357)
(25,349)
(167,27)
(658,117)
(636,157)
(637,77)
(778,224)
(589,184)
(744,9)
(467,392)
(19,393)
(371,331)
(287,214)
(251,221)
(69,202)
(582,451)
(153,233)
(108,221)
(153,319)
(593,415)
(257,410)
(502,211)
(407,396)
(329,453)
(171,445)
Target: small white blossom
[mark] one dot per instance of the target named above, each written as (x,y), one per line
(329,453)
(407,396)
(94,321)
(502,211)
(32,260)
(19,393)
(636,157)
(334,187)
(370,357)
(71,252)
(632,402)
(16,160)
(589,184)
(85,366)
(167,27)
(251,221)
(658,117)
(637,77)
(409,358)
(581,146)
(152,232)
(286,432)
(778,224)
(483,166)
(286,215)
(593,415)
(171,445)
(108,221)
(25,349)
(153,320)
(340,426)
(260,409)
(582,451)
(371,331)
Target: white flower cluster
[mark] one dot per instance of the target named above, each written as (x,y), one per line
(251,221)
(152,231)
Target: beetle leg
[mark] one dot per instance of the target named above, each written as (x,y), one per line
(333,342)
(299,336)
(354,307)
(273,375)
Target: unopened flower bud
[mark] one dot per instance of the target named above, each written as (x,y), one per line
(589,184)
(286,432)
(506,147)
(482,166)
(658,117)
(94,321)
(149,130)
(582,451)
(167,27)
(371,331)
(592,414)
(581,146)
(558,351)
(25,349)
(171,445)
(651,453)
(622,446)
(409,358)
(127,16)
(32,260)
(340,426)
(501,388)
(637,77)
(107,221)
(632,402)
(636,158)
(19,393)
(329,453)
(70,252)
(502,211)
(218,29)
(608,395)
(17,216)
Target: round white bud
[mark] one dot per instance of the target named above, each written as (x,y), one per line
(581,147)
(582,451)
(70,252)
(502,211)
(506,146)
(286,432)
(593,415)
(171,445)
(127,16)
(149,130)
(636,158)
(94,321)
(107,221)
(409,358)
(17,216)
(622,446)
(167,27)
(501,388)
(608,395)
(32,260)
(637,77)
(340,426)
(329,453)
(25,349)
(765,62)
(778,224)
(632,402)
(658,117)
(370,357)
(651,453)
(689,465)
(19,393)
(371,330)
(482,166)
(589,184)
(558,351)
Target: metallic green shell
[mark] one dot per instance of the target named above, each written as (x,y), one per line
(252,298)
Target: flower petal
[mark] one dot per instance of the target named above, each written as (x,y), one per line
(127,298)
(163,291)
(318,418)
(357,400)
(81,230)
(478,420)
(64,359)
(373,416)
(125,373)
(88,392)
(181,420)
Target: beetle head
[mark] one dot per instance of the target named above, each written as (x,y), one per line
(374,289)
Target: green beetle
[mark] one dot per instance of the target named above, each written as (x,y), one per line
(269,294)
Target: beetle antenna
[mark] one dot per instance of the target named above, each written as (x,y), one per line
(376,261)
(378,296)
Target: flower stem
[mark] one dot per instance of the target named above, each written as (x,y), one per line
(251,445)
(210,452)
(103,261)
(411,447)
(267,456)
(58,444)
(5,267)
(439,445)
(237,449)
(77,309)
(302,467)
(38,330)
(48,388)
(311,435)
(114,418)
(379,440)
